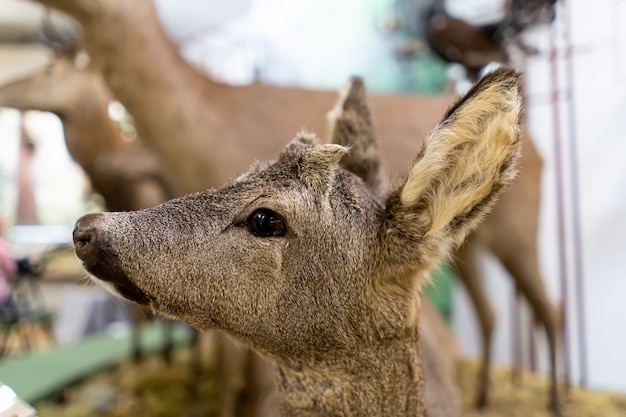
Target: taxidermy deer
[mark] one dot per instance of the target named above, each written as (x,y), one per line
(205,133)
(128,176)
(475,46)
(300,261)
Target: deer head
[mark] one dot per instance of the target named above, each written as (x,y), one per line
(58,88)
(301,261)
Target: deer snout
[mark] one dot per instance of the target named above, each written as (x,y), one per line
(94,248)
(85,237)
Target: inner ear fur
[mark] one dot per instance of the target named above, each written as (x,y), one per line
(466,162)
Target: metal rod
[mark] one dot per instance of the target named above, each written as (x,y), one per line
(575,198)
(560,201)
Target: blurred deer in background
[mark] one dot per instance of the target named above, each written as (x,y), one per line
(185,117)
(299,260)
(455,40)
(128,176)
(475,46)
(205,133)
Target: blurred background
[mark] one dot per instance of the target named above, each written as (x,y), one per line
(572,54)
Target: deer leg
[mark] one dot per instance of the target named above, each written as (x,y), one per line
(524,268)
(469,274)
(513,240)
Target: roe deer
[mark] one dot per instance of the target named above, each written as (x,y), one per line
(206,133)
(475,46)
(129,176)
(300,261)
(455,40)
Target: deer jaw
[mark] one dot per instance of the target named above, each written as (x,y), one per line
(330,280)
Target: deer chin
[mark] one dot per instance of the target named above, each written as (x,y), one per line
(131,292)
(116,282)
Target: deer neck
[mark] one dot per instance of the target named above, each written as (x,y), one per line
(381,380)
(166,95)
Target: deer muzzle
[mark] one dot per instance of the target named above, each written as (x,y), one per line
(95,251)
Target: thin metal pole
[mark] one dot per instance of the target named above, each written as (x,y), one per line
(532,325)
(560,201)
(575,197)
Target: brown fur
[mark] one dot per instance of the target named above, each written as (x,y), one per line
(334,300)
(205,132)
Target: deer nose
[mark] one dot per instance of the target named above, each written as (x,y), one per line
(85,236)
(93,247)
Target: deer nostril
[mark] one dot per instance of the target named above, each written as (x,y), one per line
(85,237)
(82,237)
(85,244)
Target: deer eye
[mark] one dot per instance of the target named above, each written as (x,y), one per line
(266,223)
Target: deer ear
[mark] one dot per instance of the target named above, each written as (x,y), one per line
(317,167)
(350,124)
(466,162)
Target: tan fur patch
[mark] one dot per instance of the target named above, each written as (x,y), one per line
(465,154)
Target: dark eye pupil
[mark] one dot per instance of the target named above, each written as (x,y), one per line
(266,223)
